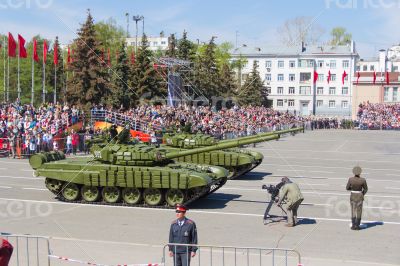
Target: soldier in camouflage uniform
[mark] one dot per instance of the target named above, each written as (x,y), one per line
(358,187)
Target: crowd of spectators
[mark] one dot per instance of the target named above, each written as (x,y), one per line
(43,128)
(378,116)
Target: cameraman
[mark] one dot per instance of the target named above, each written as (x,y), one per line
(290,198)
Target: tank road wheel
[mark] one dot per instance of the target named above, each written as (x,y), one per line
(174,196)
(71,192)
(111,194)
(90,194)
(53,185)
(232,172)
(131,195)
(153,196)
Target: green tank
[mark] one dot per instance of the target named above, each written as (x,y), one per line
(237,161)
(133,174)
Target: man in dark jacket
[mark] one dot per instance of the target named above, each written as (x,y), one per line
(6,250)
(182,231)
(358,187)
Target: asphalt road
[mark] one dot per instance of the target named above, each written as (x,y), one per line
(319,161)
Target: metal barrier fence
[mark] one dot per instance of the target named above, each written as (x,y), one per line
(232,256)
(29,250)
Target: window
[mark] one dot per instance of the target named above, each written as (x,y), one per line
(155,43)
(333,77)
(365,68)
(280,77)
(255,62)
(292,64)
(269,90)
(268,77)
(292,77)
(332,91)
(332,104)
(371,68)
(281,64)
(279,103)
(386,95)
(268,64)
(163,42)
(332,64)
(345,63)
(291,90)
(345,104)
(280,90)
(133,43)
(321,77)
(320,103)
(320,90)
(304,77)
(395,90)
(291,103)
(396,68)
(320,63)
(345,90)
(358,68)
(305,90)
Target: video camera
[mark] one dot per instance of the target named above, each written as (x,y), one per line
(273,190)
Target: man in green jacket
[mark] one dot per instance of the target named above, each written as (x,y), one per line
(290,198)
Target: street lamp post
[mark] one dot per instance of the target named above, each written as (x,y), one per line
(137,18)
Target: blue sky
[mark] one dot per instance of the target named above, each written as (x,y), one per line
(375,24)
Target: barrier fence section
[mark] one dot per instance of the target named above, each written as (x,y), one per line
(29,250)
(232,256)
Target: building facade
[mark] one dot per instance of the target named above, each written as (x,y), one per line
(155,43)
(288,75)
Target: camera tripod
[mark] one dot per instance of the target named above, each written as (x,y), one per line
(272,218)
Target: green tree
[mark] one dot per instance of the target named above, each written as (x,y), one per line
(121,92)
(340,36)
(228,84)
(206,74)
(186,49)
(90,82)
(252,91)
(145,78)
(171,51)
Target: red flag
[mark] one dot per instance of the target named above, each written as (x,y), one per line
(21,47)
(387,78)
(315,76)
(35,54)
(329,76)
(55,54)
(45,49)
(109,58)
(133,57)
(344,75)
(374,77)
(12,46)
(358,77)
(69,56)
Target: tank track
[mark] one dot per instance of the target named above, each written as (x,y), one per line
(211,188)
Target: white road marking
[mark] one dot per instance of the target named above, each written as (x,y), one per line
(21,177)
(351,152)
(5,187)
(32,188)
(340,146)
(332,159)
(27,170)
(292,170)
(393,174)
(392,188)
(329,167)
(326,172)
(192,211)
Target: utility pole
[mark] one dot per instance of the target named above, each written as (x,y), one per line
(236,39)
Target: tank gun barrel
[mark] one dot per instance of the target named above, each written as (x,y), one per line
(221,146)
(279,132)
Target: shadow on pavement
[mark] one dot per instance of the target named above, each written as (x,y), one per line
(214,201)
(302,221)
(369,225)
(253,176)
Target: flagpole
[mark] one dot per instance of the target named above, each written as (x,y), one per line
(4,67)
(33,81)
(55,84)
(8,79)
(44,83)
(18,86)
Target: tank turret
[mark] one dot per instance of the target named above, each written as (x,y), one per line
(237,161)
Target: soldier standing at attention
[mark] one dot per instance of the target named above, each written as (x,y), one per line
(182,231)
(358,187)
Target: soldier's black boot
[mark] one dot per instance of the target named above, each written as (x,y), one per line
(357,226)
(353,224)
